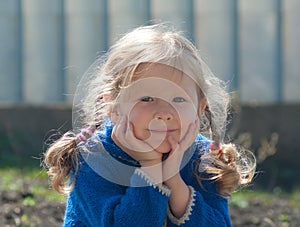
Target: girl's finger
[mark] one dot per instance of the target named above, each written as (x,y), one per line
(129,139)
(129,132)
(120,130)
(173,143)
(190,135)
(123,124)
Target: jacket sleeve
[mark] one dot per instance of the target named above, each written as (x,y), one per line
(96,201)
(208,210)
(206,206)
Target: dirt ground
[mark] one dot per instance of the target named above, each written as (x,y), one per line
(15,211)
(259,213)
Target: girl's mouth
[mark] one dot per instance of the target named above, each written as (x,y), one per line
(162,131)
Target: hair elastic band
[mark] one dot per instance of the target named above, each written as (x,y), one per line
(85,133)
(215,148)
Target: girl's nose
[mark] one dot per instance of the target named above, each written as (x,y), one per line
(164,111)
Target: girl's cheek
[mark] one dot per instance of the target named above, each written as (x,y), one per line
(187,116)
(114,117)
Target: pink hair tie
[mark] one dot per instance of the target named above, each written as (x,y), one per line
(217,150)
(85,134)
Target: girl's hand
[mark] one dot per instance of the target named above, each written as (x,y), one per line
(139,150)
(171,166)
(180,195)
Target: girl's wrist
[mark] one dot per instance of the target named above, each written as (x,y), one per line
(174,181)
(154,170)
(180,195)
(149,163)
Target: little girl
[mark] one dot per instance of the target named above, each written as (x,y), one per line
(140,160)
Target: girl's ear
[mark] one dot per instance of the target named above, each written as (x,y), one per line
(113,110)
(202,106)
(106,97)
(113,113)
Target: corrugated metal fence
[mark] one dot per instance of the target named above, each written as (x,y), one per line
(45,46)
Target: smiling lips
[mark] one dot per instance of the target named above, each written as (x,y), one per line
(162,131)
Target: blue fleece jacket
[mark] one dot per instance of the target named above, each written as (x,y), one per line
(111,190)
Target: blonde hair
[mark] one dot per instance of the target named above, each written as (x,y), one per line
(110,73)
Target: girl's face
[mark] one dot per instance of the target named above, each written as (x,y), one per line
(161,102)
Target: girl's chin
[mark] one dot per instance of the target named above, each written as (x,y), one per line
(162,151)
(163,148)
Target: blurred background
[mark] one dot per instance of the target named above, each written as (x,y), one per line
(46,46)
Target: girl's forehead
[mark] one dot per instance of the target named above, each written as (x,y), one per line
(161,81)
(159,70)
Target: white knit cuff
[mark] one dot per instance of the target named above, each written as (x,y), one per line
(188,212)
(151,182)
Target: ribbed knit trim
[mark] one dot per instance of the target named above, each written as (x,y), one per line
(165,224)
(186,216)
(151,182)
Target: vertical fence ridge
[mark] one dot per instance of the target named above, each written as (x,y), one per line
(279,50)
(10,52)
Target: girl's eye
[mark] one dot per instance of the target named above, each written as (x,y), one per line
(179,99)
(147,99)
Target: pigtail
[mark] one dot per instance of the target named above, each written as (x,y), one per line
(62,157)
(225,163)
(215,134)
